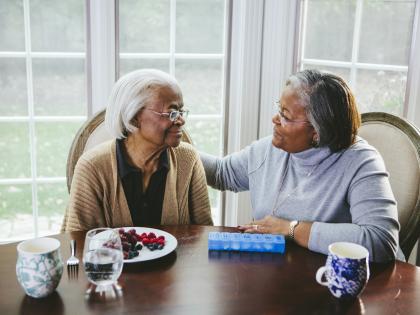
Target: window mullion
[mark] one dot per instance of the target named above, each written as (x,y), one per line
(412,96)
(356,42)
(172,34)
(32,143)
(101,50)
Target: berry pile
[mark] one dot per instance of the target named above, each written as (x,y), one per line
(132,242)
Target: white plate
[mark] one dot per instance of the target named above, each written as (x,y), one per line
(146,254)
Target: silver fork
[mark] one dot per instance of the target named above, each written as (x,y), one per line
(73,261)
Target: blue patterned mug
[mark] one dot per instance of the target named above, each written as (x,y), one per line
(39,266)
(346,270)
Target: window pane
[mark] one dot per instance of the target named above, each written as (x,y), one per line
(59,87)
(57,25)
(206,135)
(14,150)
(52,201)
(341,72)
(214,196)
(144,26)
(329,29)
(199,26)
(386,31)
(381,91)
(12,25)
(13,96)
(53,144)
(128,65)
(16,221)
(201,84)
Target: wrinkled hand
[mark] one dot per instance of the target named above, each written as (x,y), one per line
(268,225)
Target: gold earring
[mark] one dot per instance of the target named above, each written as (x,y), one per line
(315,142)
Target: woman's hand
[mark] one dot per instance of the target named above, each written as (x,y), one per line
(268,225)
(274,225)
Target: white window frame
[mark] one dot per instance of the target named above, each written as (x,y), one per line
(31,118)
(104,56)
(263,40)
(412,95)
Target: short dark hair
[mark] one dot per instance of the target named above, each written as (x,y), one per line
(330,106)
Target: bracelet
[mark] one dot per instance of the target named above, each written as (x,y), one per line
(292,226)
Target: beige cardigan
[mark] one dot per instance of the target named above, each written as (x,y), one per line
(97,196)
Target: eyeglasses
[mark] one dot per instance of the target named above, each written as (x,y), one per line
(172,115)
(283,119)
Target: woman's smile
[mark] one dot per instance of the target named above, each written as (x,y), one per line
(176,132)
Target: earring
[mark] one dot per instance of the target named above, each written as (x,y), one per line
(315,142)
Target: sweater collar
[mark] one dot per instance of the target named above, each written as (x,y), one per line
(310,157)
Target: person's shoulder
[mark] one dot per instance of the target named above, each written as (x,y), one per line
(99,154)
(361,148)
(362,153)
(186,151)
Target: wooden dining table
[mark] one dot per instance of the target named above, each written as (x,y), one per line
(194,280)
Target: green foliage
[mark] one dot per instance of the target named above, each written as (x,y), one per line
(14,200)
(14,150)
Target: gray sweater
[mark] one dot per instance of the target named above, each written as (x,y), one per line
(346,194)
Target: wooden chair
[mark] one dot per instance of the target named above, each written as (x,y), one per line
(92,133)
(398,141)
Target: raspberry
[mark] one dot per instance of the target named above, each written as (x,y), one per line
(161,237)
(151,235)
(143,235)
(161,241)
(121,231)
(132,231)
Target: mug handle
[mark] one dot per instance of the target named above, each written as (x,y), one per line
(319,275)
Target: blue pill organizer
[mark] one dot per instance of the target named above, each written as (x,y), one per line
(247,242)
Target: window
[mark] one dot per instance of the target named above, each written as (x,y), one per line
(365,42)
(49,85)
(159,34)
(42,105)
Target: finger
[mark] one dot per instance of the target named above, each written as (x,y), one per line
(245,226)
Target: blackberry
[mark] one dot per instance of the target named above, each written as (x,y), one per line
(139,247)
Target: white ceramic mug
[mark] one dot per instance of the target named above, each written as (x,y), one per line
(346,270)
(39,266)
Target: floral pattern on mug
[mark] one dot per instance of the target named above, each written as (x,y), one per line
(39,275)
(346,277)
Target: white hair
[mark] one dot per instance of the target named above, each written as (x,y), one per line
(130,94)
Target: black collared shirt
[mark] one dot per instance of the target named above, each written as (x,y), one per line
(145,206)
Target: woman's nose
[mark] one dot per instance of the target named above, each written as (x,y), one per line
(276,119)
(180,121)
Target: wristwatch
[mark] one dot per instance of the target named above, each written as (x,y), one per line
(292,226)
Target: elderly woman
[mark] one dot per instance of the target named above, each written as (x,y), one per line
(315,180)
(146,176)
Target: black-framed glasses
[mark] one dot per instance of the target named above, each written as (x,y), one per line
(172,115)
(283,119)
